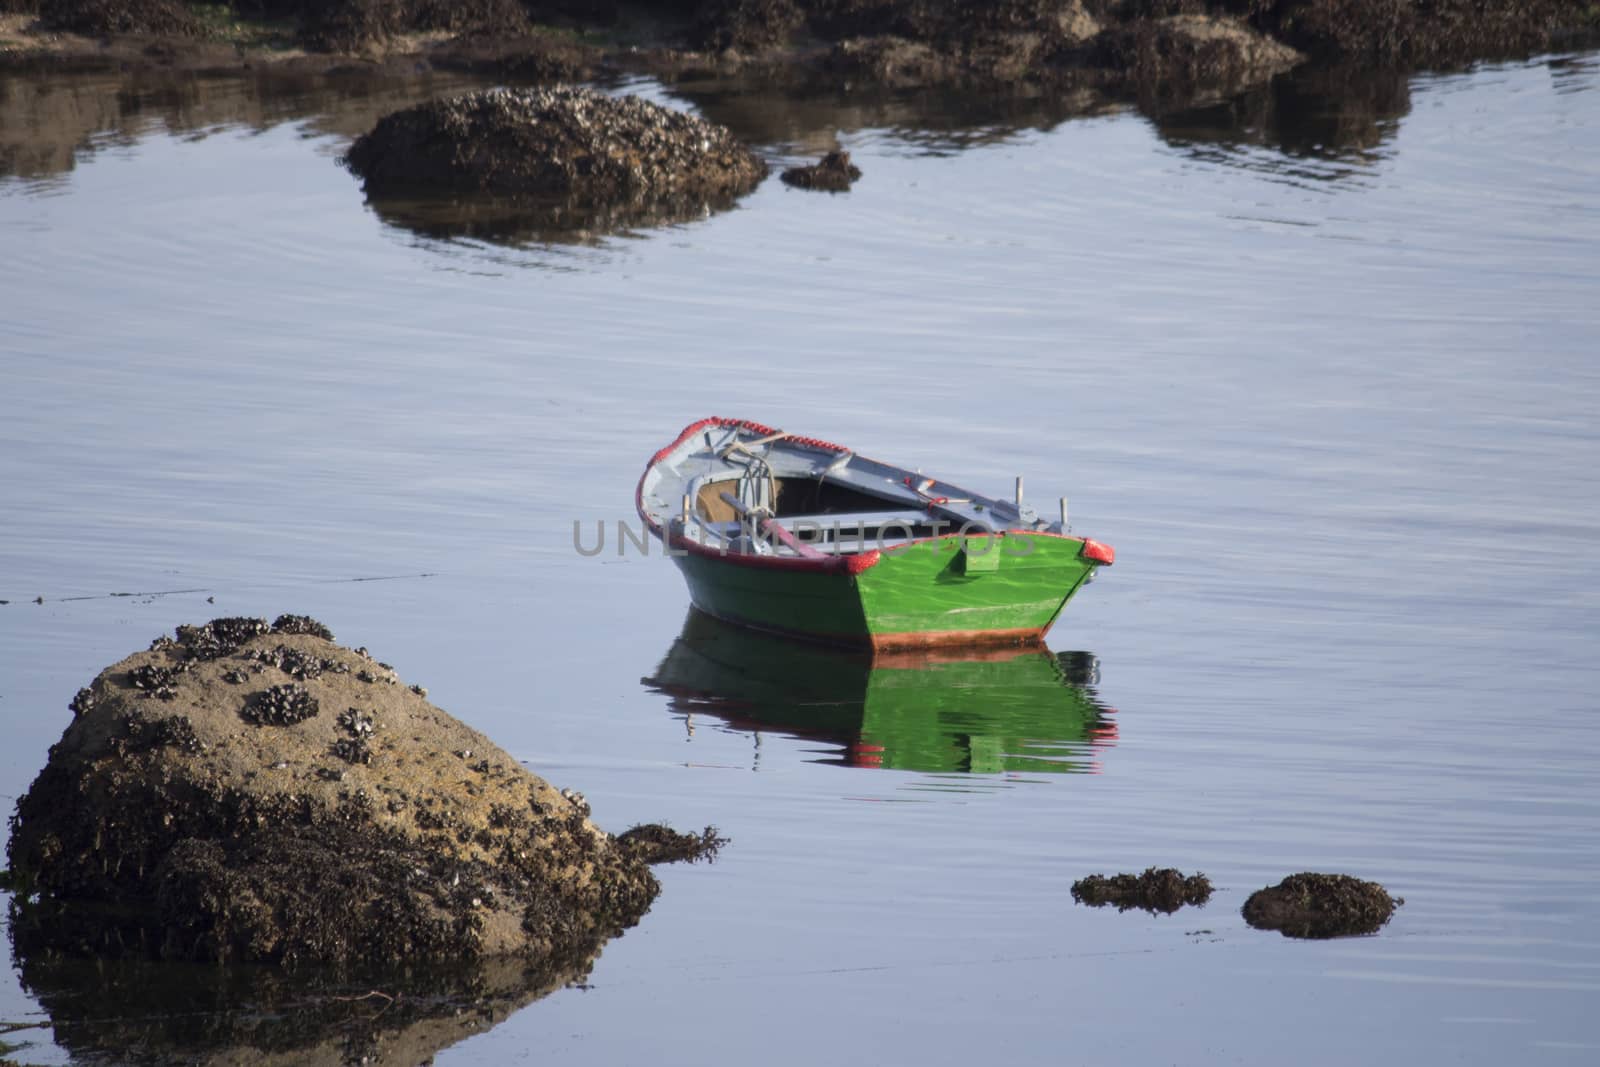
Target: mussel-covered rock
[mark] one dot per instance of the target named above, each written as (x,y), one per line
(1161,889)
(301,816)
(551,164)
(1321,906)
(833,173)
(562,142)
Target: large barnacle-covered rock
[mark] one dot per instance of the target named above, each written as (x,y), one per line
(559,141)
(248,792)
(553,163)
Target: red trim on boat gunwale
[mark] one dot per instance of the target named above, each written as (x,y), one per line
(846,565)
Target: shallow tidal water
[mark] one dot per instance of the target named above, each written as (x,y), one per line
(1321,364)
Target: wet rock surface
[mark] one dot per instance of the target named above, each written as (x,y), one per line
(833,173)
(1157,48)
(300,816)
(1309,905)
(103,18)
(1156,890)
(573,144)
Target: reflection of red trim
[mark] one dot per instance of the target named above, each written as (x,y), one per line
(862,754)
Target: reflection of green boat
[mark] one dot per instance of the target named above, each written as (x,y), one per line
(983,711)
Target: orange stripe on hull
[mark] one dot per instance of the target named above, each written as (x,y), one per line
(939,639)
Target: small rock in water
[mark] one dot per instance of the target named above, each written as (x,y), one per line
(1320,906)
(1157,889)
(833,173)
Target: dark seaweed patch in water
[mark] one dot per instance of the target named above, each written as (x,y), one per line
(1321,906)
(281,705)
(654,843)
(1157,889)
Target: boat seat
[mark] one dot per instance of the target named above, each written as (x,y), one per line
(847,523)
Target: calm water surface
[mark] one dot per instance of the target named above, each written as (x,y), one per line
(1320,363)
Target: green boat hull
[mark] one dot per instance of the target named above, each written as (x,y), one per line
(945,591)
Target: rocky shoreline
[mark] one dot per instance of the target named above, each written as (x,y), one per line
(1145,48)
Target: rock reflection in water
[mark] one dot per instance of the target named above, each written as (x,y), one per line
(1311,113)
(524,221)
(51,121)
(976,711)
(122,1012)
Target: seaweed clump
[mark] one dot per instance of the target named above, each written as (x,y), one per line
(386,834)
(1157,889)
(654,843)
(1321,906)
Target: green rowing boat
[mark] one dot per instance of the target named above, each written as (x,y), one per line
(803,537)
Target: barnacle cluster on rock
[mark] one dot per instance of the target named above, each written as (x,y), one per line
(140,733)
(280,705)
(83,701)
(301,624)
(355,747)
(154,680)
(296,663)
(215,639)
